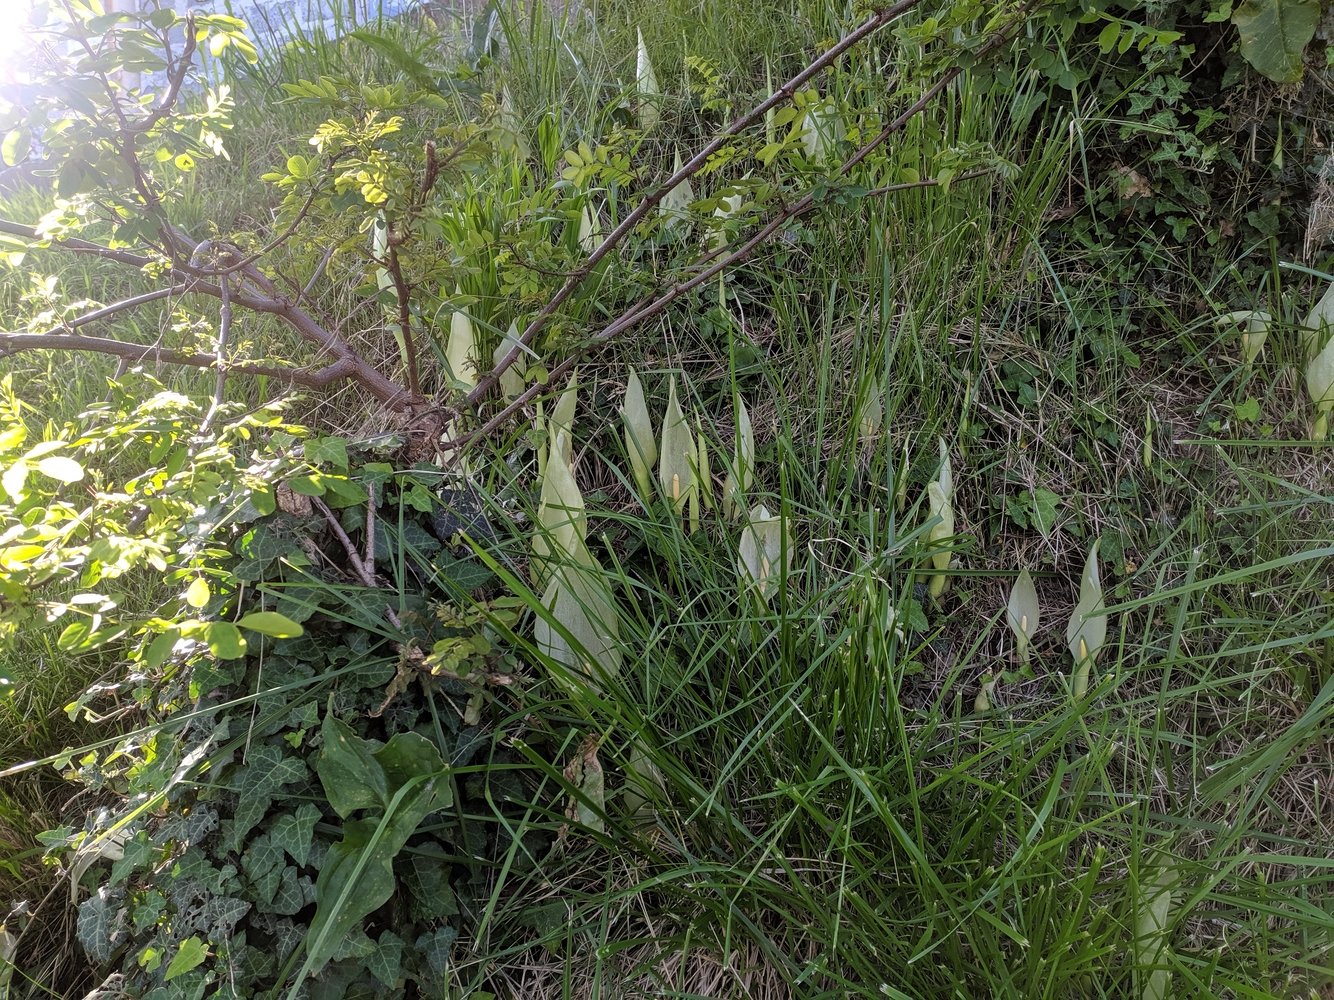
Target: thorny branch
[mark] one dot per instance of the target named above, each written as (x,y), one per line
(696,163)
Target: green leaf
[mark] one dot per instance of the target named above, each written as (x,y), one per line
(266,771)
(1274,35)
(198,593)
(352,777)
(1043,505)
(296,831)
(225,640)
(14,149)
(386,960)
(271,623)
(190,956)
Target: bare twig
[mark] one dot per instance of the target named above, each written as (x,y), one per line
(319,378)
(220,355)
(697,162)
(347,364)
(404,294)
(118,307)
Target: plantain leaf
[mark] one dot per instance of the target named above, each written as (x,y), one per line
(1274,35)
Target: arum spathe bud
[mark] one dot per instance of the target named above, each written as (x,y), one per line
(560,425)
(646,86)
(588,230)
(1254,333)
(872,415)
(675,205)
(511,379)
(760,553)
(742,473)
(461,349)
(1087,629)
(1318,323)
(1021,614)
(640,446)
(943,529)
(676,454)
(1320,384)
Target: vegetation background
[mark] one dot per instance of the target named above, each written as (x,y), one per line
(293,703)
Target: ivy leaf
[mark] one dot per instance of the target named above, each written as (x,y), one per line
(265,773)
(190,956)
(1274,34)
(435,947)
(296,830)
(97,925)
(386,961)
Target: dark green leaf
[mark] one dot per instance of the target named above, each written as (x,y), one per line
(352,777)
(1274,35)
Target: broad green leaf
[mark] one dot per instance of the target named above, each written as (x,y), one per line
(190,955)
(271,623)
(1274,35)
(1319,324)
(1043,505)
(562,419)
(352,778)
(225,640)
(14,149)
(198,593)
(407,756)
(15,478)
(579,603)
(1320,385)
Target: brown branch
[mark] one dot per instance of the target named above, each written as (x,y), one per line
(404,294)
(347,364)
(784,93)
(319,378)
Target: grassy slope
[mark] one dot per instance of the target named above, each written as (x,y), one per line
(840,815)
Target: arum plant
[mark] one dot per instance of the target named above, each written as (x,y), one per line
(1318,324)
(1254,333)
(940,499)
(581,630)
(741,475)
(674,208)
(646,87)
(1320,384)
(1087,629)
(640,447)
(703,474)
(761,559)
(872,416)
(588,229)
(512,378)
(1021,614)
(728,206)
(461,349)
(677,456)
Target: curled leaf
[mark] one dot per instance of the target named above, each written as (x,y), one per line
(640,446)
(760,554)
(1320,385)
(676,454)
(1087,629)
(741,475)
(588,230)
(1021,614)
(646,86)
